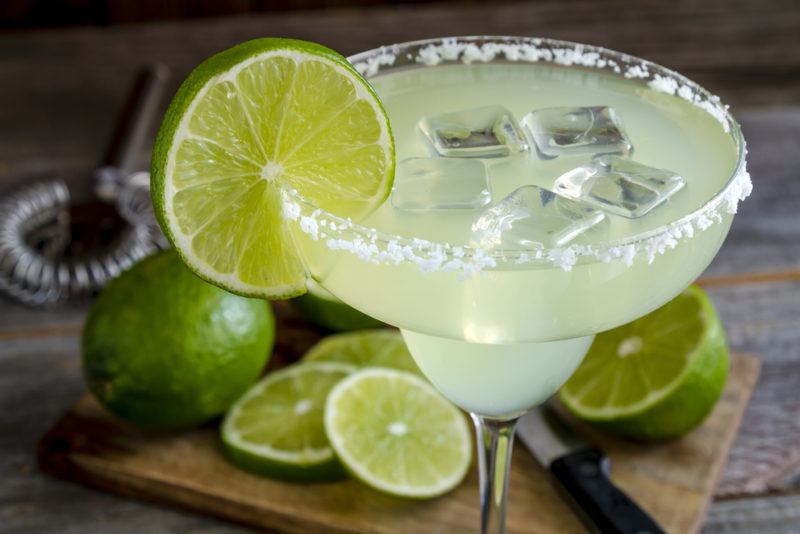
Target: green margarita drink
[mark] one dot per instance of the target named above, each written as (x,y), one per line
(501,200)
(503,338)
(544,192)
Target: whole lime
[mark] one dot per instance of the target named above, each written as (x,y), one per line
(323,309)
(164,349)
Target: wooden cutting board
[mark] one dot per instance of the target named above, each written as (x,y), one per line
(674,481)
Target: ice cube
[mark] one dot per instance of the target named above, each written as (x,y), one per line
(619,185)
(533,218)
(485,132)
(440,183)
(565,131)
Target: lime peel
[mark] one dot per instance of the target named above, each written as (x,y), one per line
(268,400)
(365,348)
(403,437)
(163,349)
(325,310)
(657,377)
(228,226)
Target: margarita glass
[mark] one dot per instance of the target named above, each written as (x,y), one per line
(499,329)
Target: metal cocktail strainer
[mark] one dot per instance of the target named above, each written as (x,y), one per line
(52,248)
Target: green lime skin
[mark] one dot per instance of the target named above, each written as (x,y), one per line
(332,314)
(692,397)
(259,465)
(276,428)
(165,350)
(686,407)
(215,65)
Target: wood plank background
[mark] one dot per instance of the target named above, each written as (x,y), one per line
(59,91)
(673,481)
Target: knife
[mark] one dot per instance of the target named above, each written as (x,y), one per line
(581,474)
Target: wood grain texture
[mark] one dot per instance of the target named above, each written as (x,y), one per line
(38,379)
(67,84)
(766,457)
(765,236)
(42,375)
(764,515)
(672,481)
(62,88)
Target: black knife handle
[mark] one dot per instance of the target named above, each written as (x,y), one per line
(602,506)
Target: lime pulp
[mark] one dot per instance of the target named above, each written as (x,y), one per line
(276,428)
(249,124)
(657,377)
(397,434)
(365,348)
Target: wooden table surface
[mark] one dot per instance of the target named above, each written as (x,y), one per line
(59,92)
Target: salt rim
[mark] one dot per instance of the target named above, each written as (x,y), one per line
(379,248)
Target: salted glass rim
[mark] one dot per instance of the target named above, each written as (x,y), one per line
(380,247)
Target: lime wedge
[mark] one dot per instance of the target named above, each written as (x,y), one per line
(657,377)
(323,309)
(395,433)
(366,348)
(266,116)
(276,428)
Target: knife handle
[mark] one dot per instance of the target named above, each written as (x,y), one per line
(584,476)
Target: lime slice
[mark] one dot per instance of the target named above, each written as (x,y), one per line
(395,433)
(326,311)
(264,117)
(276,428)
(657,377)
(366,348)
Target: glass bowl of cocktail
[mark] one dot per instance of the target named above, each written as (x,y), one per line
(544,191)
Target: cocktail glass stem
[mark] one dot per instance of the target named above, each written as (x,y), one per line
(495,441)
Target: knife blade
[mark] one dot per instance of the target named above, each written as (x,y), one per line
(581,474)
